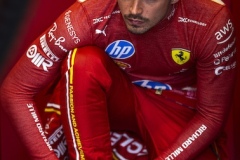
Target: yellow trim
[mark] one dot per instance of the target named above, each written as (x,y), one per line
(76,134)
(114,157)
(72,63)
(52,110)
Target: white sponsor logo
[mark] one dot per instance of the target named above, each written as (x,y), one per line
(219,70)
(70,28)
(224,50)
(47,50)
(187,20)
(101,19)
(56,136)
(98,31)
(37,59)
(187,142)
(225,33)
(97,20)
(59,41)
(38,125)
(224,58)
(131,145)
(61,149)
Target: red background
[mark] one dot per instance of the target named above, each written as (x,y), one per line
(39,15)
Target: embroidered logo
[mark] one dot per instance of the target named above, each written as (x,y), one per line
(122,64)
(120,49)
(98,31)
(180,56)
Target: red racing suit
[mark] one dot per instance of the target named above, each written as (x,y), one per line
(191,49)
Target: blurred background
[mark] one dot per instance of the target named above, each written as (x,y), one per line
(21,21)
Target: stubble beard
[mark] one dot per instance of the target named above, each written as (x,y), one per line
(135,29)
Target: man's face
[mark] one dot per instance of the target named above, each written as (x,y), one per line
(141,15)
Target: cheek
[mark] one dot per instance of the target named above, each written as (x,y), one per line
(159,13)
(124,7)
(155,16)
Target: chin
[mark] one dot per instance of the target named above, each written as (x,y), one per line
(137,30)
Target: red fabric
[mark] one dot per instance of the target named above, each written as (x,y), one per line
(40,14)
(124,144)
(97,89)
(47,4)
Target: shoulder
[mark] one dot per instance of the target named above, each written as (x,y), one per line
(206,8)
(95,9)
(204,4)
(97,5)
(206,11)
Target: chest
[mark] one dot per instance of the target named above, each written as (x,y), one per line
(158,52)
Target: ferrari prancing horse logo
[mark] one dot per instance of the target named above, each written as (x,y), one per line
(180,56)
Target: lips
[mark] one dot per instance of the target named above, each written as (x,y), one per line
(135,22)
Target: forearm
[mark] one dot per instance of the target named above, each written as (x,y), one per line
(17,97)
(194,139)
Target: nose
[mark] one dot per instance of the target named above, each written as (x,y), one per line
(136,7)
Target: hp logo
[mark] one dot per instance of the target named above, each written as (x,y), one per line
(120,49)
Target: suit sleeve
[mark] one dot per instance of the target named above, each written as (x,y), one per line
(216,71)
(38,67)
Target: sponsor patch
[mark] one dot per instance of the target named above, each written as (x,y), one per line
(225,49)
(180,56)
(70,27)
(37,59)
(122,64)
(57,41)
(187,20)
(99,31)
(152,85)
(47,50)
(120,49)
(219,70)
(225,33)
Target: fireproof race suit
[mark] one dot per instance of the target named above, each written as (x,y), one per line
(193,47)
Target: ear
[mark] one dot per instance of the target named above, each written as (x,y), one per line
(174,1)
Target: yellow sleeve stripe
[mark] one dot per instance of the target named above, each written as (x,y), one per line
(72,63)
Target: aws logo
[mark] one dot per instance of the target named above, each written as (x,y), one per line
(180,56)
(225,33)
(120,49)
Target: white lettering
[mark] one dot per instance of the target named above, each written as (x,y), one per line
(225,58)
(38,59)
(187,143)
(115,137)
(50,33)
(219,70)
(220,53)
(70,28)
(221,34)
(39,126)
(57,41)
(47,50)
(187,20)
